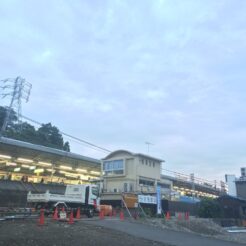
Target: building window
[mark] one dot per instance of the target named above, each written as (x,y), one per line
(115,167)
(146,182)
(125,187)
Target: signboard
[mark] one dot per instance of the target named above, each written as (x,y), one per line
(158,199)
(147,199)
(63,215)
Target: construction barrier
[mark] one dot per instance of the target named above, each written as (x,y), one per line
(107,209)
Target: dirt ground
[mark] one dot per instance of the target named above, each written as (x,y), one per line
(28,233)
(205,227)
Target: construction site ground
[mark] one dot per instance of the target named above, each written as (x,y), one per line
(112,231)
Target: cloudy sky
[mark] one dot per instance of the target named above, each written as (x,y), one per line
(120,73)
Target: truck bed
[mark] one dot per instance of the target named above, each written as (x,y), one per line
(48,197)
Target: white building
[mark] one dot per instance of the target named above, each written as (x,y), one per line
(230,181)
(124,171)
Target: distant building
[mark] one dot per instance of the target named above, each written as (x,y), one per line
(230,181)
(239,189)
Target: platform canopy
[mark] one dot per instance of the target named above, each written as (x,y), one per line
(31,158)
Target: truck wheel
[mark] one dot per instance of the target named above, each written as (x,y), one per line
(90,213)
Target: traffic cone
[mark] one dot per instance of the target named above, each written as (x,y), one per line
(187,215)
(179,216)
(41,218)
(110,213)
(78,214)
(101,214)
(121,216)
(168,216)
(71,220)
(55,215)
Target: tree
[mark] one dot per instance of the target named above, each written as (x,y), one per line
(12,118)
(209,208)
(50,136)
(66,146)
(46,135)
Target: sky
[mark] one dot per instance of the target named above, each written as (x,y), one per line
(122,73)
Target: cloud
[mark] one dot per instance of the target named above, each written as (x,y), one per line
(123,72)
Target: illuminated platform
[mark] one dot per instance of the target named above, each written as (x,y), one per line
(44,164)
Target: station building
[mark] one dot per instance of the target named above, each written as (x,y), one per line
(38,164)
(124,171)
(127,172)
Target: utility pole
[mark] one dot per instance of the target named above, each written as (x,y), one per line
(18,89)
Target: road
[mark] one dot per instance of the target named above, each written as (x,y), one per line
(160,235)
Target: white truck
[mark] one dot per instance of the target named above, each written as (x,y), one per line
(85,197)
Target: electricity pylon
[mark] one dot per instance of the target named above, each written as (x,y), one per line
(17,89)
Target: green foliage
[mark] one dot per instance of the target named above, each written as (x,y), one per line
(209,208)
(46,135)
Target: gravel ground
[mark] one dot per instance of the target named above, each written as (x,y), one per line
(205,227)
(28,233)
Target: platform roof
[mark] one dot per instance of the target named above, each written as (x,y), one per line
(19,149)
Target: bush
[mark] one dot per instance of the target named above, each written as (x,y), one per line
(209,208)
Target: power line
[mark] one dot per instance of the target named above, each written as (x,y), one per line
(91,145)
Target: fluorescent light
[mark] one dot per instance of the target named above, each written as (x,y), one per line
(71,175)
(50,170)
(66,167)
(94,172)
(25,160)
(25,166)
(39,170)
(63,172)
(17,169)
(5,156)
(44,163)
(32,167)
(81,170)
(11,164)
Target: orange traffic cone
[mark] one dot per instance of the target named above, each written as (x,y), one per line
(179,216)
(41,218)
(55,215)
(101,214)
(78,214)
(168,216)
(187,215)
(121,216)
(71,220)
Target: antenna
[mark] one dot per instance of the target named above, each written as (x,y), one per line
(17,89)
(148,144)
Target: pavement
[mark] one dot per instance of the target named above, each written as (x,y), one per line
(160,235)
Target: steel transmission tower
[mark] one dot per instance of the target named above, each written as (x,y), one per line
(17,89)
